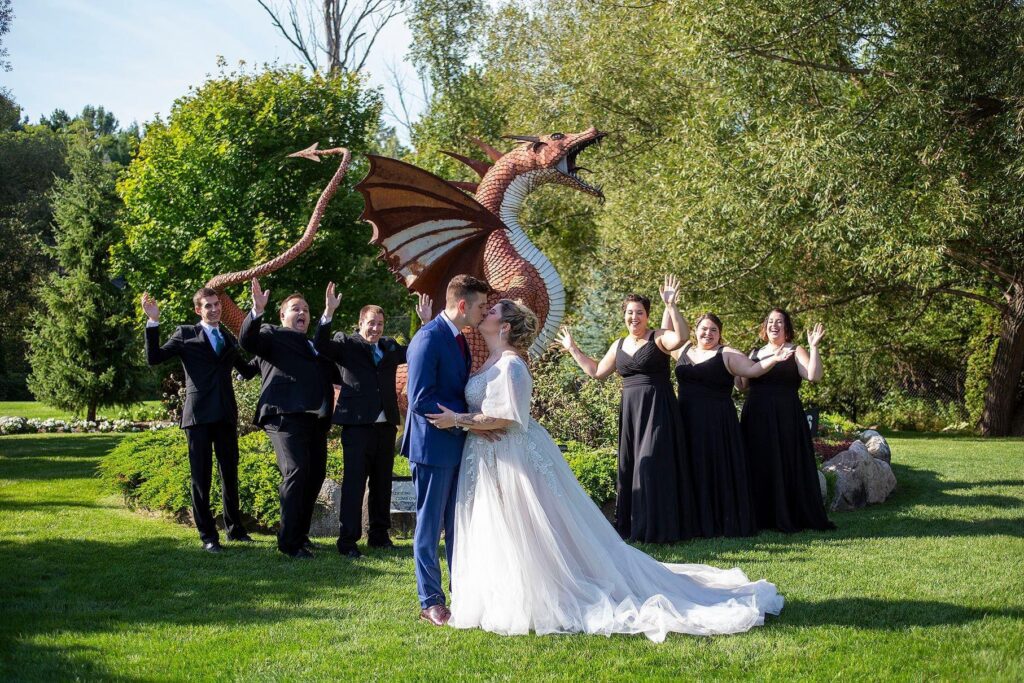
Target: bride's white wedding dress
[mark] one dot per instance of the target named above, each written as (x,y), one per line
(533,552)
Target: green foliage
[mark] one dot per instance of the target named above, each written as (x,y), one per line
(213,191)
(444,33)
(834,425)
(596,469)
(573,407)
(84,346)
(151,471)
(981,352)
(911,413)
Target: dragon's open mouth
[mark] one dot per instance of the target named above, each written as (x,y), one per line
(568,167)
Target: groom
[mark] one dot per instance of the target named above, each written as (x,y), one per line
(439,362)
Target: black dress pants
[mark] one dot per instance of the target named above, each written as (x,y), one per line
(300,443)
(203,441)
(369,452)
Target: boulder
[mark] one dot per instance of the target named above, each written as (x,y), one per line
(327,509)
(867,434)
(823,484)
(861,479)
(878,447)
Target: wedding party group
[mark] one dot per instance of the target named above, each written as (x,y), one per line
(526,548)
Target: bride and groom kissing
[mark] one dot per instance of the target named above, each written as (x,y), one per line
(527,549)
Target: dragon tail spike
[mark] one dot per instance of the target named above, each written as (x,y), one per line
(481,167)
(468,187)
(487,149)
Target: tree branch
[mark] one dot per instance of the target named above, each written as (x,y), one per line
(297,42)
(836,68)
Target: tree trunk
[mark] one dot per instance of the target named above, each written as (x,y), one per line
(997,419)
(91,412)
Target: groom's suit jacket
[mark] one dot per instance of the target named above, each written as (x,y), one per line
(438,372)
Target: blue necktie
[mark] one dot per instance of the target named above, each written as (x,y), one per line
(377,354)
(218,341)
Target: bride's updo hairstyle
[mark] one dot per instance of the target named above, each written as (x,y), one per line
(522,322)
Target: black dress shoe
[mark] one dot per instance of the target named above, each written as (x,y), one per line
(351,553)
(310,546)
(213,547)
(300,554)
(244,538)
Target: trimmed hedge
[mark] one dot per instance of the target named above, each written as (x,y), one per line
(150,471)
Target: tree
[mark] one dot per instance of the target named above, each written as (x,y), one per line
(115,143)
(30,161)
(84,346)
(335,37)
(851,161)
(213,191)
(6,17)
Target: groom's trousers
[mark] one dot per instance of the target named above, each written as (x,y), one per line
(435,509)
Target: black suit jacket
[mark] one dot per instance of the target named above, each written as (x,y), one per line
(366,388)
(209,396)
(294,379)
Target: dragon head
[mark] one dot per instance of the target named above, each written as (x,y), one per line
(557,154)
(537,161)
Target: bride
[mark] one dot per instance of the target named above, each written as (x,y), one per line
(533,552)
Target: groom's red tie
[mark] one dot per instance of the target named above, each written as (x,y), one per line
(463,345)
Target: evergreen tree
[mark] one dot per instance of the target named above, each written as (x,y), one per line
(84,346)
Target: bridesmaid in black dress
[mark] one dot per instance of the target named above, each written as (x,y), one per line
(783,471)
(705,373)
(654,501)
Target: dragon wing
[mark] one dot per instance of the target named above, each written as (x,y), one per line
(429,230)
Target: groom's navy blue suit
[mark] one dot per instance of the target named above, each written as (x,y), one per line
(438,371)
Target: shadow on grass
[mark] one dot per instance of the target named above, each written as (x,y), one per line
(55,456)
(86,587)
(888,615)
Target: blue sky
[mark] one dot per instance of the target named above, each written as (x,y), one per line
(135,58)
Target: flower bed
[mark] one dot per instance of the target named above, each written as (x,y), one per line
(51,425)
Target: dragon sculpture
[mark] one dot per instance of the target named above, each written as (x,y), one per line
(430,229)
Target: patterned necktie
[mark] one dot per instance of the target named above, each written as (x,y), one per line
(218,341)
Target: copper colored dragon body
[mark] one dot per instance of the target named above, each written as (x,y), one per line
(430,230)
(231,315)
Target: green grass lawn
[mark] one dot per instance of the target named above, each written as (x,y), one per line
(929,585)
(30,409)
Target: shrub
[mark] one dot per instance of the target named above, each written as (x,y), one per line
(151,472)
(826,449)
(910,413)
(595,469)
(573,407)
(51,425)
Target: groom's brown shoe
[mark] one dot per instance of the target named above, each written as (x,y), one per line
(438,615)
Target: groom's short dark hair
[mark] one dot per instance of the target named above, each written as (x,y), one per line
(462,286)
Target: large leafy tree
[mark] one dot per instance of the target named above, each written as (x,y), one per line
(212,190)
(858,162)
(84,344)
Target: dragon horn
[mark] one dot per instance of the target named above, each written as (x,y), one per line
(488,150)
(308,153)
(522,138)
(481,167)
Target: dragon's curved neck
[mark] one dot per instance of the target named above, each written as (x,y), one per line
(504,195)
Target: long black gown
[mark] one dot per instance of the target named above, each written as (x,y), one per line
(654,496)
(715,445)
(780,455)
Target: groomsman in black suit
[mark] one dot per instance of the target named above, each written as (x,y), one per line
(367,410)
(294,409)
(209,417)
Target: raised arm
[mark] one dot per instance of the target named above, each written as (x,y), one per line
(322,342)
(741,367)
(251,338)
(671,338)
(156,354)
(595,369)
(809,364)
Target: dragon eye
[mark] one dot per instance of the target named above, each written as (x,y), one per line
(557,136)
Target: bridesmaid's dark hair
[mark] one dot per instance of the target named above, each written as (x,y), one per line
(787,325)
(637,298)
(709,316)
